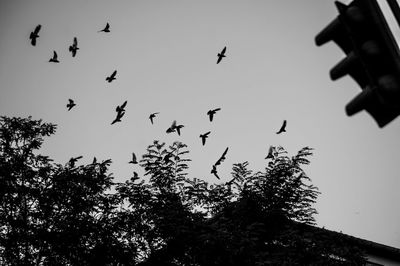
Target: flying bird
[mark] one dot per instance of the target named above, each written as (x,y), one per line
(135,176)
(34,35)
(73,160)
(178,129)
(152,116)
(222,158)
(211,113)
(70,104)
(214,171)
(118,118)
(172,127)
(55,58)
(270,153)
(221,55)
(106,28)
(204,136)
(121,108)
(133,161)
(283,128)
(112,76)
(74,47)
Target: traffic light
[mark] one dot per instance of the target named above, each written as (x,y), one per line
(372,58)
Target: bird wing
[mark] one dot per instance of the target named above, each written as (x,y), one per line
(284,124)
(219,59)
(75,41)
(216,110)
(115,120)
(107,26)
(113,74)
(124,104)
(55,55)
(208,133)
(222,158)
(223,51)
(133,157)
(37,29)
(71,101)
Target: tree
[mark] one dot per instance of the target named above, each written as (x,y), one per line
(64,214)
(53,214)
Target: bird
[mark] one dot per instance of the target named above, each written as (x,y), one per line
(172,127)
(34,34)
(211,113)
(73,160)
(167,157)
(112,76)
(74,47)
(55,58)
(221,55)
(204,136)
(178,129)
(133,161)
(121,108)
(70,104)
(222,158)
(270,153)
(152,116)
(118,118)
(214,171)
(106,28)
(283,128)
(135,176)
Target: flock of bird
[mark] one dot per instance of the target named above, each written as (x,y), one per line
(120,110)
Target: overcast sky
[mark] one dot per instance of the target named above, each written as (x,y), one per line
(165,53)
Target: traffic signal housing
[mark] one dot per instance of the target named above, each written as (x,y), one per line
(372,58)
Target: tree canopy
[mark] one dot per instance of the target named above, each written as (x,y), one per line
(55,214)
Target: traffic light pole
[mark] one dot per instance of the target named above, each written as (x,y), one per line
(394,6)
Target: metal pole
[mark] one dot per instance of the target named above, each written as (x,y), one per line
(394,6)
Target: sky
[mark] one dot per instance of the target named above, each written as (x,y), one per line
(165,54)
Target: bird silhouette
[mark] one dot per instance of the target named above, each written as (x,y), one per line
(214,171)
(121,108)
(94,160)
(167,157)
(34,35)
(222,158)
(106,28)
(270,152)
(221,55)
(118,118)
(211,113)
(70,104)
(172,127)
(152,116)
(178,129)
(135,176)
(74,47)
(55,58)
(283,128)
(133,161)
(73,160)
(204,136)
(112,76)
